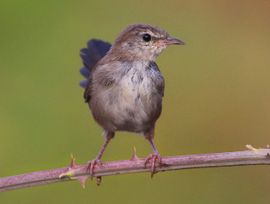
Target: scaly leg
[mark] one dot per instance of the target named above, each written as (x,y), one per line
(97,160)
(153,158)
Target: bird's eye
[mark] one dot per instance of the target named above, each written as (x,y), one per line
(146,37)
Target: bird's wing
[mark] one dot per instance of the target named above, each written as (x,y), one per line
(96,49)
(157,78)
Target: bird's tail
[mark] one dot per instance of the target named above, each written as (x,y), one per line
(96,49)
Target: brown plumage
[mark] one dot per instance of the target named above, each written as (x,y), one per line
(124,86)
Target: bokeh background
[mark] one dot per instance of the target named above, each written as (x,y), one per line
(216,99)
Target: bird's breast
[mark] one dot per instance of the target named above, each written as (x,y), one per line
(134,102)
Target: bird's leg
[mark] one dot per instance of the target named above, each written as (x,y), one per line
(97,160)
(154,158)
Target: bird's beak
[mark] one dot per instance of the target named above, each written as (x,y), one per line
(173,41)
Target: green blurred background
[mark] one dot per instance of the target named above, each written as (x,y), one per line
(216,99)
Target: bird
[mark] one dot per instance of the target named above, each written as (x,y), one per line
(123,85)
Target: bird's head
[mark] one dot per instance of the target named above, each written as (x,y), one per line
(143,42)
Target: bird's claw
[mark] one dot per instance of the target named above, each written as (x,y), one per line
(91,167)
(154,159)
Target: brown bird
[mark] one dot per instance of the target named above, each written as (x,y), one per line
(124,86)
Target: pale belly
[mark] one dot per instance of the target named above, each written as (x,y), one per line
(134,105)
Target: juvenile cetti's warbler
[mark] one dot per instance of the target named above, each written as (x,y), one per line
(124,86)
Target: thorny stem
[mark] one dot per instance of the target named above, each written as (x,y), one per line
(225,159)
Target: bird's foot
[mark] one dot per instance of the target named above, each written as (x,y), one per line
(92,165)
(153,159)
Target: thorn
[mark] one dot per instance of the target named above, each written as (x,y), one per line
(72,162)
(72,166)
(260,151)
(72,170)
(134,156)
(250,147)
(82,180)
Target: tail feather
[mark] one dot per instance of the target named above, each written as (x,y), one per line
(96,49)
(85,72)
(86,57)
(84,83)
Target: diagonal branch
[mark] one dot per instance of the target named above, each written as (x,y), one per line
(240,158)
